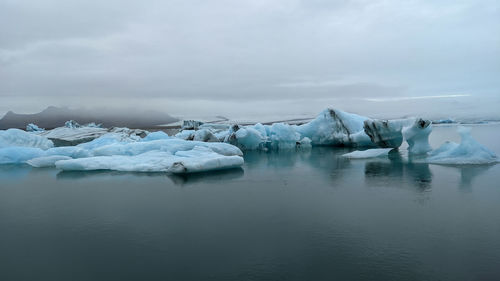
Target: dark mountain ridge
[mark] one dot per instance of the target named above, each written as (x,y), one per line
(52,117)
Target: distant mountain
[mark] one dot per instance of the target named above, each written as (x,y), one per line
(53,117)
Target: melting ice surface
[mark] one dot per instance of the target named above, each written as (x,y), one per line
(468,151)
(207,148)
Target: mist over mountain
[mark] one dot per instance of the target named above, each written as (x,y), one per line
(52,117)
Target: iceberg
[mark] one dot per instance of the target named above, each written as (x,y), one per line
(198,159)
(337,128)
(417,136)
(331,127)
(169,145)
(74,134)
(16,137)
(369,153)
(384,133)
(205,135)
(469,151)
(33,128)
(158,135)
(119,149)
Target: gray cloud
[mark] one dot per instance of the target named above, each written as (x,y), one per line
(90,52)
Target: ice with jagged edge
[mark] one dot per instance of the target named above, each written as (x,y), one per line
(468,151)
(156,152)
(210,147)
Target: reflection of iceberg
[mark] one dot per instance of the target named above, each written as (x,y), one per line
(381,172)
(215,176)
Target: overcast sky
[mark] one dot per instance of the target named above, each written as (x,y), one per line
(249,56)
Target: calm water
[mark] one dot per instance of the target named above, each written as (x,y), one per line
(284,216)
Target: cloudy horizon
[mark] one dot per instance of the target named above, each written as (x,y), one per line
(252,57)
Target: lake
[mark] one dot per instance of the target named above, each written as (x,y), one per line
(308,215)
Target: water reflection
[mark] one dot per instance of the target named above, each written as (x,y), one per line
(71,175)
(14,171)
(395,170)
(214,176)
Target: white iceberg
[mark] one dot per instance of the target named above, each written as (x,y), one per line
(16,137)
(67,136)
(170,145)
(417,136)
(198,159)
(158,135)
(469,151)
(33,128)
(369,153)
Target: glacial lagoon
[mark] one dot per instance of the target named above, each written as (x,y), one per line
(306,215)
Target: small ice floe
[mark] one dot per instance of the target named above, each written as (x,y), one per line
(369,153)
(468,151)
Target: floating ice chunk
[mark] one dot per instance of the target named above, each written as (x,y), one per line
(469,151)
(19,154)
(158,135)
(369,153)
(66,136)
(72,124)
(276,136)
(106,139)
(185,134)
(199,159)
(205,135)
(33,128)
(417,137)
(16,137)
(283,136)
(191,124)
(46,161)
(127,134)
(335,127)
(385,133)
(247,138)
(170,145)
